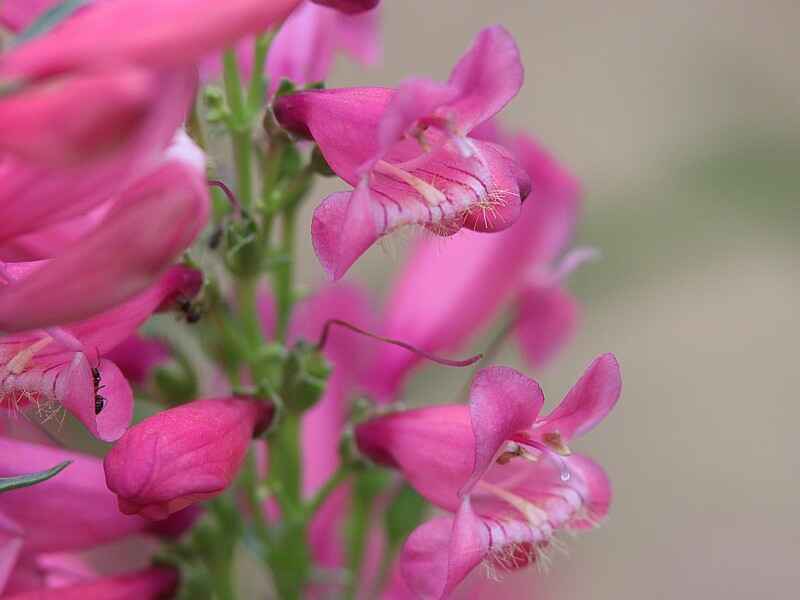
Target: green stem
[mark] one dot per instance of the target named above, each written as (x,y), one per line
(285,465)
(194,126)
(284,272)
(240,128)
(247,297)
(258,83)
(342,473)
(223,582)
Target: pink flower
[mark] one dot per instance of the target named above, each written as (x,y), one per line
(306,44)
(72,511)
(475,275)
(62,367)
(150,584)
(183,455)
(74,120)
(35,196)
(408,154)
(349,6)
(17,15)
(508,475)
(145,229)
(137,356)
(143,33)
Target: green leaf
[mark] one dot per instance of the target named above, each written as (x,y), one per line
(49,19)
(14,483)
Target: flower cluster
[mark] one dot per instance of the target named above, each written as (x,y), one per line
(260,417)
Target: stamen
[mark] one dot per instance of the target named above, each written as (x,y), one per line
(433,196)
(20,360)
(406,346)
(549,452)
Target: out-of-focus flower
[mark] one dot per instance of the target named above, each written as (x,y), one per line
(63,366)
(140,32)
(137,356)
(16,15)
(509,477)
(183,455)
(304,48)
(72,120)
(473,275)
(72,511)
(35,196)
(322,425)
(150,584)
(349,6)
(145,229)
(408,154)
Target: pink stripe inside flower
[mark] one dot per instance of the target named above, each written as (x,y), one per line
(408,154)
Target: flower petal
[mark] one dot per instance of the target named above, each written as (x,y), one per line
(433,447)
(155,36)
(439,554)
(152,223)
(151,584)
(343,228)
(343,122)
(588,402)
(349,6)
(77,393)
(306,44)
(416,98)
(546,320)
(502,402)
(489,75)
(72,511)
(106,110)
(11,539)
(35,196)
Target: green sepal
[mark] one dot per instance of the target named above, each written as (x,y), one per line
(305,377)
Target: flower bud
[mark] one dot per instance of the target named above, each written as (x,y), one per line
(183,455)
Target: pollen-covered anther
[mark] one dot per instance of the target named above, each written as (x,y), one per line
(512,451)
(555,442)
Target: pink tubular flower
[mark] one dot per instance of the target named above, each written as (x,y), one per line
(349,6)
(150,584)
(72,120)
(72,511)
(16,15)
(183,455)
(408,154)
(508,475)
(34,196)
(153,221)
(62,367)
(143,33)
(475,275)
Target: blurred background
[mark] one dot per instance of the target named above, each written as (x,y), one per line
(682,120)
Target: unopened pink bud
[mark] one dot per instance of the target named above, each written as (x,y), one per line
(183,455)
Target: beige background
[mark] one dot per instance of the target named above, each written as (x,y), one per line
(682,119)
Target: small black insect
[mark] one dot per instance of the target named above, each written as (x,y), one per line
(96,376)
(99,404)
(189,310)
